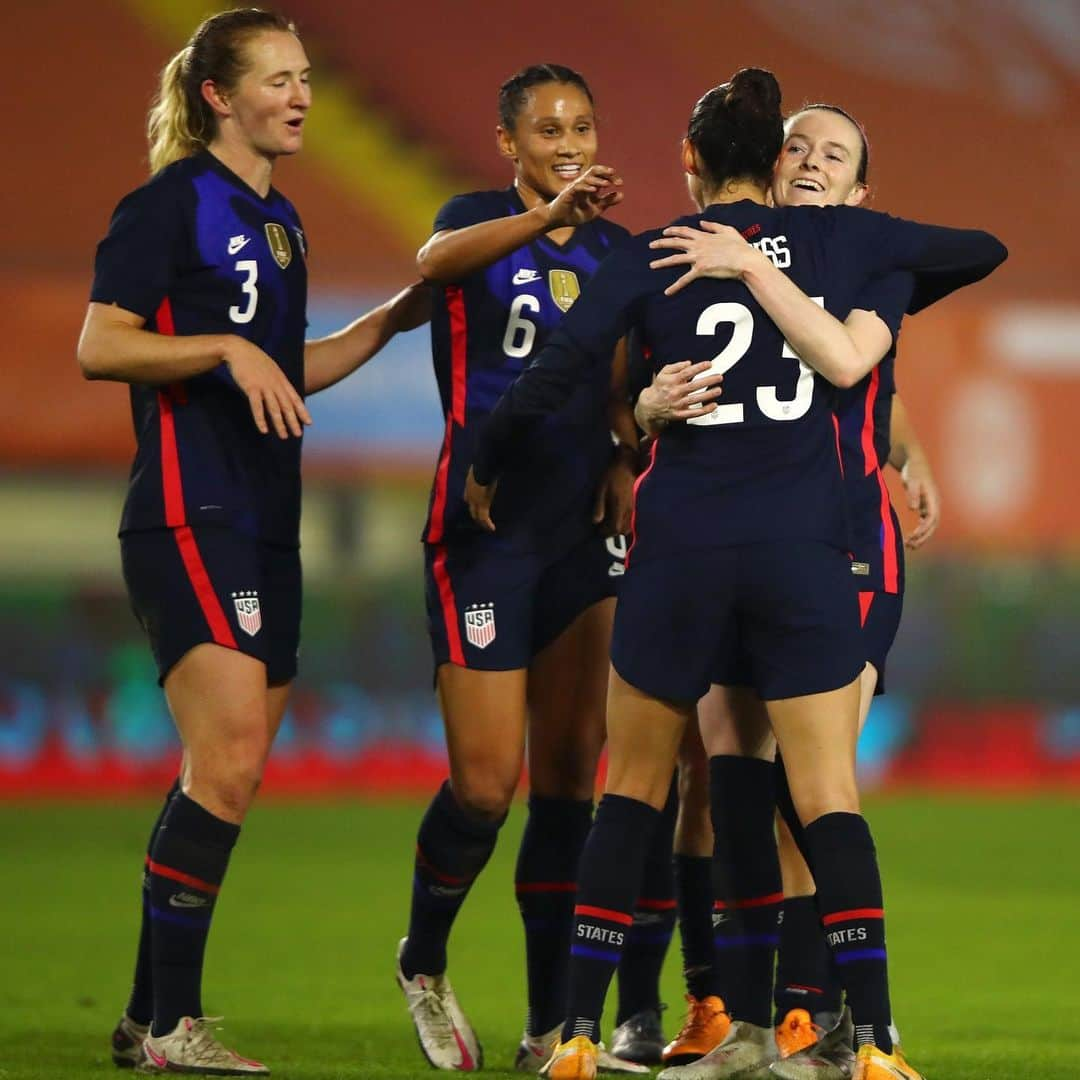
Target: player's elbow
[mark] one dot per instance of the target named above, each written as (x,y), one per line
(430,266)
(91,357)
(845,376)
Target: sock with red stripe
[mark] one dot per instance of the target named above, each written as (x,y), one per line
(845,869)
(694,891)
(654,920)
(452,847)
(140,1006)
(746,883)
(805,976)
(609,882)
(545,882)
(187,865)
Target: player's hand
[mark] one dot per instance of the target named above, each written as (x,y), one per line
(614,503)
(714,250)
(679,392)
(924,498)
(479,499)
(273,399)
(593,193)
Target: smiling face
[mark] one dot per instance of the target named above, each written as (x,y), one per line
(267,107)
(819,162)
(553,140)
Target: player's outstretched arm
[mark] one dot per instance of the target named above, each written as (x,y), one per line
(330,359)
(614,503)
(453,254)
(842,352)
(113,345)
(909,458)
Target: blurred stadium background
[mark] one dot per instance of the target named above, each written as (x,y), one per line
(972,113)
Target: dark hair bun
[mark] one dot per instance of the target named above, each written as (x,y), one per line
(753,89)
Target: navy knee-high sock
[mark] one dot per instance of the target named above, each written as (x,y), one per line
(452,847)
(694,889)
(609,882)
(844,864)
(747,883)
(805,973)
(140,1006)
(545,882)
(654,920)
(187,866)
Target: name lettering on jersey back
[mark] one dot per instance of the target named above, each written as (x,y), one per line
(775,249)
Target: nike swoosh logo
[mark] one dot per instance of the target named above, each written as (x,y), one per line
(238,242)
(184,902)
(523,277)
(160,1060)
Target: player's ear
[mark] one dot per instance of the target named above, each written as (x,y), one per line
(504,140)
(858,194)
(213,97)
(689,158)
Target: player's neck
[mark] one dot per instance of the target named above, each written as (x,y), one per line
(255,169)
(735,191)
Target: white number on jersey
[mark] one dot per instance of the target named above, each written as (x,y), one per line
(251,268)
(520,333)
(741,320)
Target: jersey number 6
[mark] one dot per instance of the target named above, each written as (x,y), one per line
(741,320)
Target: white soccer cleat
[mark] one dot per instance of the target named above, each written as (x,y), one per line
(192,1047)
(534,1051)
(746,1053)
(127,1040)
(830,1058)
(446,1037)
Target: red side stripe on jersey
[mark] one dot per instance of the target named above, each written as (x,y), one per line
(836,435)
(171,485)
(442,473)
(455,305)
(449,607)
(204,591)
(633,510)
(891,569)
(866,600)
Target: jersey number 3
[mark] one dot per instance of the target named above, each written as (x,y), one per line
(246,313)
(741,320)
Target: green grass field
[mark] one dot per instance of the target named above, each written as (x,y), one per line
(984,935)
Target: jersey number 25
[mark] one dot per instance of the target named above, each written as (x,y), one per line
(741,321)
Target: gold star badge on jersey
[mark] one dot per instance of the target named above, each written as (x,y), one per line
(278,239)
(564,288)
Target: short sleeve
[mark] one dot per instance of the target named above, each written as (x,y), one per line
(888,297)
(137,261)
(462,211)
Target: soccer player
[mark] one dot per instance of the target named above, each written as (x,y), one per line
(198,302)
(739,540)
(824,161)
(520,621)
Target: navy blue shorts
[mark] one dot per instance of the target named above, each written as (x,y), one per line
(781,617)
(197,584)
(494,610)
(880,612)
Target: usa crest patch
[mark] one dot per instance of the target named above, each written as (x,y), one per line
(480,625)
(248,614)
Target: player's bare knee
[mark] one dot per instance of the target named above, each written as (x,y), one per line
(487,797)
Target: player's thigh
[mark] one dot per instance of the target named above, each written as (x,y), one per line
(573,615)
(644,733)
(484,714)
(817,734)
(734,722)
(282,603)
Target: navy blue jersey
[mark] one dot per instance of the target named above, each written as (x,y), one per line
(763,465)
(864,413)
(197,251)
(484,332)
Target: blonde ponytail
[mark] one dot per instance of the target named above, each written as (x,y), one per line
(181,122)
(174,127)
